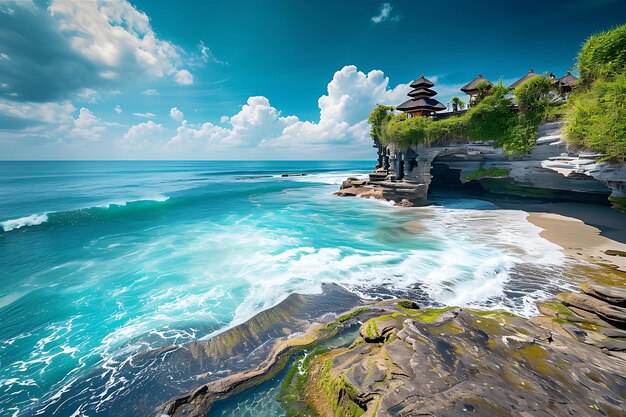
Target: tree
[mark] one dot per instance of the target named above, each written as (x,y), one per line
(457,104)
(377,118)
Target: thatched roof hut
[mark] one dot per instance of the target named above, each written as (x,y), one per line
(531,74)
(471,88)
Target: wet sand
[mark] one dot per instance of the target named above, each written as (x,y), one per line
(579,240)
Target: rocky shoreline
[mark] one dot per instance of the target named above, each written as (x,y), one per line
(409,361)
(569,360)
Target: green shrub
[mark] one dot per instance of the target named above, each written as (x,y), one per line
(596,113)
(603,56)
(597,118)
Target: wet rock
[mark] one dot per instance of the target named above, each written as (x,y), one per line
(610,294)
(458,362)
(603,309)
(352,182)
(404,203)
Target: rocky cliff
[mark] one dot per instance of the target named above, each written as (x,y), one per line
(552,170)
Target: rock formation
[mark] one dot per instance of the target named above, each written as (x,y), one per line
(551,170)
(455,362)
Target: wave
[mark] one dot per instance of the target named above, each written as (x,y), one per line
(81,214)
(32,220)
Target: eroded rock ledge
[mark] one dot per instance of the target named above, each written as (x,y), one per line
(455,361)
(448,361)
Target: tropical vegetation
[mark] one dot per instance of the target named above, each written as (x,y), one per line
(493,117)
(595,112)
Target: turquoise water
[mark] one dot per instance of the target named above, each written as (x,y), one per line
(102,260)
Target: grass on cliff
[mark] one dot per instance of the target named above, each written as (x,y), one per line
(493,118)
(596,117)
(491,172)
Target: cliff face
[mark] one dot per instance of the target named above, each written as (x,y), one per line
(551,170)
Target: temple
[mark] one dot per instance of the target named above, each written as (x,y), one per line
(473,88)
(421,102)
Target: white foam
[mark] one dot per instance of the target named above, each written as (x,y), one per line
(32,220)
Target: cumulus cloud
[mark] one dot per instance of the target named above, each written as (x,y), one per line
(344,109)
(258,129)
(184,77)
(176,114)
(118,109)
(143,132)
(88,126)
(150,92)
(65,47)
(147,115)
(384,14)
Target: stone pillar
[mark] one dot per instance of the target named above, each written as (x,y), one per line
(398,166)
(380,150)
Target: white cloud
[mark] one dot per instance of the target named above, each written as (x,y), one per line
(88,126)
(118,109)
(97,44)
(257,130)
(384,14)
(206,55)
(143,132)
(176,114)
(147,115)
(117,37)
(184,77)
(37,113)
(150,92)
(351,95)
(88,95)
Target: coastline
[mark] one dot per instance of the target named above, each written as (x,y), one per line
(578,239)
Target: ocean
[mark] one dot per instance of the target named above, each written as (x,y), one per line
(102,260)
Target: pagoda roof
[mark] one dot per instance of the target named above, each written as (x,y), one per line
(531,74)
(473,85)
(416,104)
(422,92)
(422,82)
(568,80)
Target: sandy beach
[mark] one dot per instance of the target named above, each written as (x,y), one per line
(579,240)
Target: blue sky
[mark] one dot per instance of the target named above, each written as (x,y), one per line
(255,79)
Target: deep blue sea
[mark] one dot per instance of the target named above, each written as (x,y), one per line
(101,260)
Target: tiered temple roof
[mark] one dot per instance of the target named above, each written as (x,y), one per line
(421,101)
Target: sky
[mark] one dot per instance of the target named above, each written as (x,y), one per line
(201,79)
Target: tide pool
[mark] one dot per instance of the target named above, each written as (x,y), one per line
(102,260)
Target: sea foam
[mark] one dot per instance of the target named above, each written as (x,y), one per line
(32,220)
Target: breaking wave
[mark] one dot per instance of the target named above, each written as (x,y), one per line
(77,215)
